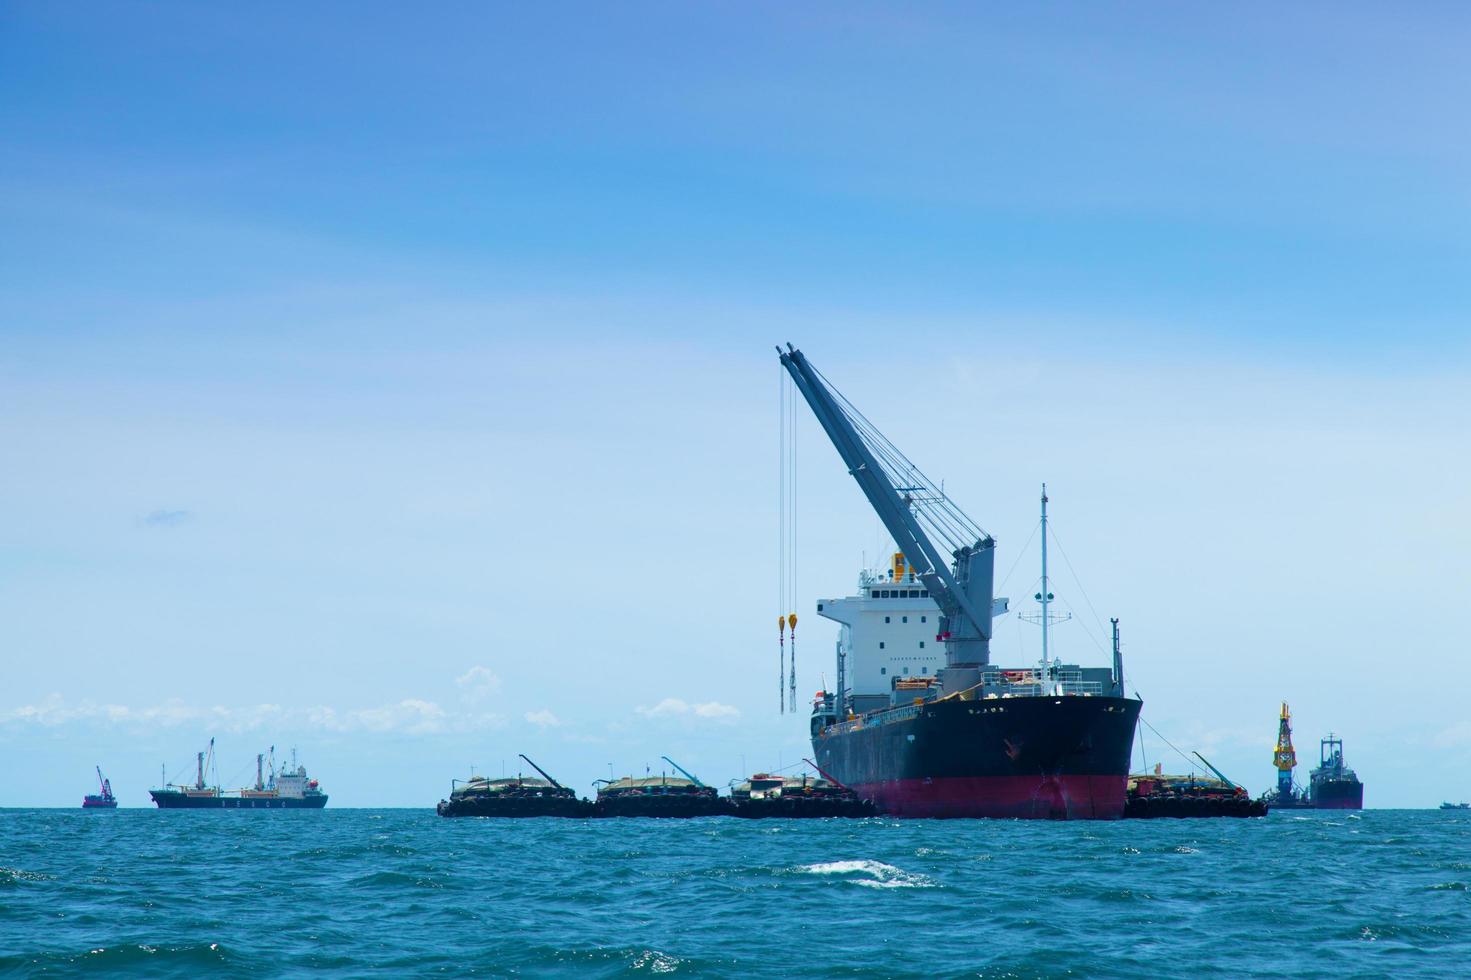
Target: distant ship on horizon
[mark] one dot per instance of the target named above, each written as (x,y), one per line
(288,789)
(103,799)
(1331,786)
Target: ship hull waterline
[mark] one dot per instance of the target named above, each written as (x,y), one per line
(1032,757)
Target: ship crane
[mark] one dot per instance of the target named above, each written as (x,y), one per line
(1284,757)
(913,509)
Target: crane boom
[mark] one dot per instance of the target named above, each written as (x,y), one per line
(540,770)
(1219,774)
(689,775)
(961,588)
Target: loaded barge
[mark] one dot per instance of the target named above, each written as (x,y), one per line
(659,796)
(518,797)
(799,797)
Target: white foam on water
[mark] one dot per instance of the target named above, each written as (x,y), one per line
(870,874)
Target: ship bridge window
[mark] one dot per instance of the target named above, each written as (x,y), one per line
(921,644)
(886,619)
(903,619)
(924,593)
(881,644)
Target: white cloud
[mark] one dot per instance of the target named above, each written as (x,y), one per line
(1454,736)
(478,683)
(543,718)
(676,708)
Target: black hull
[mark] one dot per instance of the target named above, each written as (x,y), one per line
(662,806)
(1337,794)
(796,808)
(1154,807)
(178,801)
(514,807)
(1017,757)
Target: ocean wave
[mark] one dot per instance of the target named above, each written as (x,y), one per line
(870,874)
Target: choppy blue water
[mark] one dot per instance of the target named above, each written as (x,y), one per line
(406,893)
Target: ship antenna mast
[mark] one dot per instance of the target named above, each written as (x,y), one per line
(1046,618)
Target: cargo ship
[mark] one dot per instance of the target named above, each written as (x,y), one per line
(103,798)
(288,789)
(1334,786)
(958,737)
(521,796)
(1331,786)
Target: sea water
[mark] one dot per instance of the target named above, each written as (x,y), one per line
(406,893)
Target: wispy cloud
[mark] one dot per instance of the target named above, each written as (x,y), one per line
(677,708)
(167,518)
(478,683)
(543,718)
(411,716)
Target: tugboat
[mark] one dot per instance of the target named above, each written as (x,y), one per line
(659,796)
(518,797)
(289,789)
(766,795)
(103,800)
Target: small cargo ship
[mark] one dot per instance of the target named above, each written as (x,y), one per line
(1334,786)
(1159,794)
(1331,786)
(1455,806)
(289,789)
(520,796)
(103,799)
(659,796)
(767,795)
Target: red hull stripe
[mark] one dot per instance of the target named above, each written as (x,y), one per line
(1071,797)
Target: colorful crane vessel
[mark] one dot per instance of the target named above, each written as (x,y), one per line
(973,739)
(103,798)
(1331,786)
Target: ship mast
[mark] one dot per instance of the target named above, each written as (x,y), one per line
(1047,682)
(1045,595)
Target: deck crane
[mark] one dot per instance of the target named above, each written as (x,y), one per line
(909,505)
(689,775)
(1238,790)
(541,770)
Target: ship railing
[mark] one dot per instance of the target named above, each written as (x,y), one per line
(997,682)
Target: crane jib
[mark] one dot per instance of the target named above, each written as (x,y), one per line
(955,593)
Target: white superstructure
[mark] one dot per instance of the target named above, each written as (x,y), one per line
(888,631)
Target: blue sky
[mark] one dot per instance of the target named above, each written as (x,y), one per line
(402,387)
